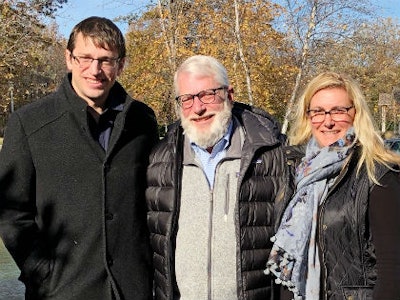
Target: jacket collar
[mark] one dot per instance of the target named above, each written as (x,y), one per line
(70,101)
(260,127)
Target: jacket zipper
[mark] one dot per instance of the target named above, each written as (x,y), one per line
(209,260)
(174,223)
(210,244)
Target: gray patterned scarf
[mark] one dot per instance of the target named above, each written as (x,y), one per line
(294,255)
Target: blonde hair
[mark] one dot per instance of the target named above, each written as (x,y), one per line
(372,146)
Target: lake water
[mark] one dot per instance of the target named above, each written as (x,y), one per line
(10,287)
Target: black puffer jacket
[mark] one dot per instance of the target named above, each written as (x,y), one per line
(263,191)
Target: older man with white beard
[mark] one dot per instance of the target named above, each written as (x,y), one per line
(217,184)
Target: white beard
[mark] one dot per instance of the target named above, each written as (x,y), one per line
(208,138)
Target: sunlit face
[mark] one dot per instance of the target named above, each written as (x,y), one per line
(205,124)
(329,131)
(93,82)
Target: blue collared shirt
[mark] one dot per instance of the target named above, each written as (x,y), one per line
(209,161)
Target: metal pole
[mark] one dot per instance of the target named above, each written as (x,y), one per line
(11,89)
(383,118)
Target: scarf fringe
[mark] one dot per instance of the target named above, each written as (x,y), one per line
(275,269)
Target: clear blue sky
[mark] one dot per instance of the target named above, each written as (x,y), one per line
(390,8)
(77,10)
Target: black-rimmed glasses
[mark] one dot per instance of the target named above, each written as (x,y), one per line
(205,96)
(105,63)
(337,114)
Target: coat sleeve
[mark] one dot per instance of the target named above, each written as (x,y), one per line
(384,214)
(17,193)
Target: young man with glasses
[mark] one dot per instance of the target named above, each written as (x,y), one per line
(72,179)
(217,183)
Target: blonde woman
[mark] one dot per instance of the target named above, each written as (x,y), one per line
(339,237)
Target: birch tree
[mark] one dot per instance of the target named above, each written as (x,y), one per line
(241,52)
(310,24)
(239,34)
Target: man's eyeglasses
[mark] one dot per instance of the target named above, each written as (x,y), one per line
(337,114)
(206,97)
(86,61)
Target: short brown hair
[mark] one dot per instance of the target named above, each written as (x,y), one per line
(102,31)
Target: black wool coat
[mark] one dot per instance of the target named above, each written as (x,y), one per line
(72,215)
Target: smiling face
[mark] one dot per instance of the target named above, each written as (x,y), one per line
(329,131)
(203,123)
(92,83)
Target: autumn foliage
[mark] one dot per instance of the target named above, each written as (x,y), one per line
(269,50)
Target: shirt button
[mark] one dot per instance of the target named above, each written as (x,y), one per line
(109,216)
